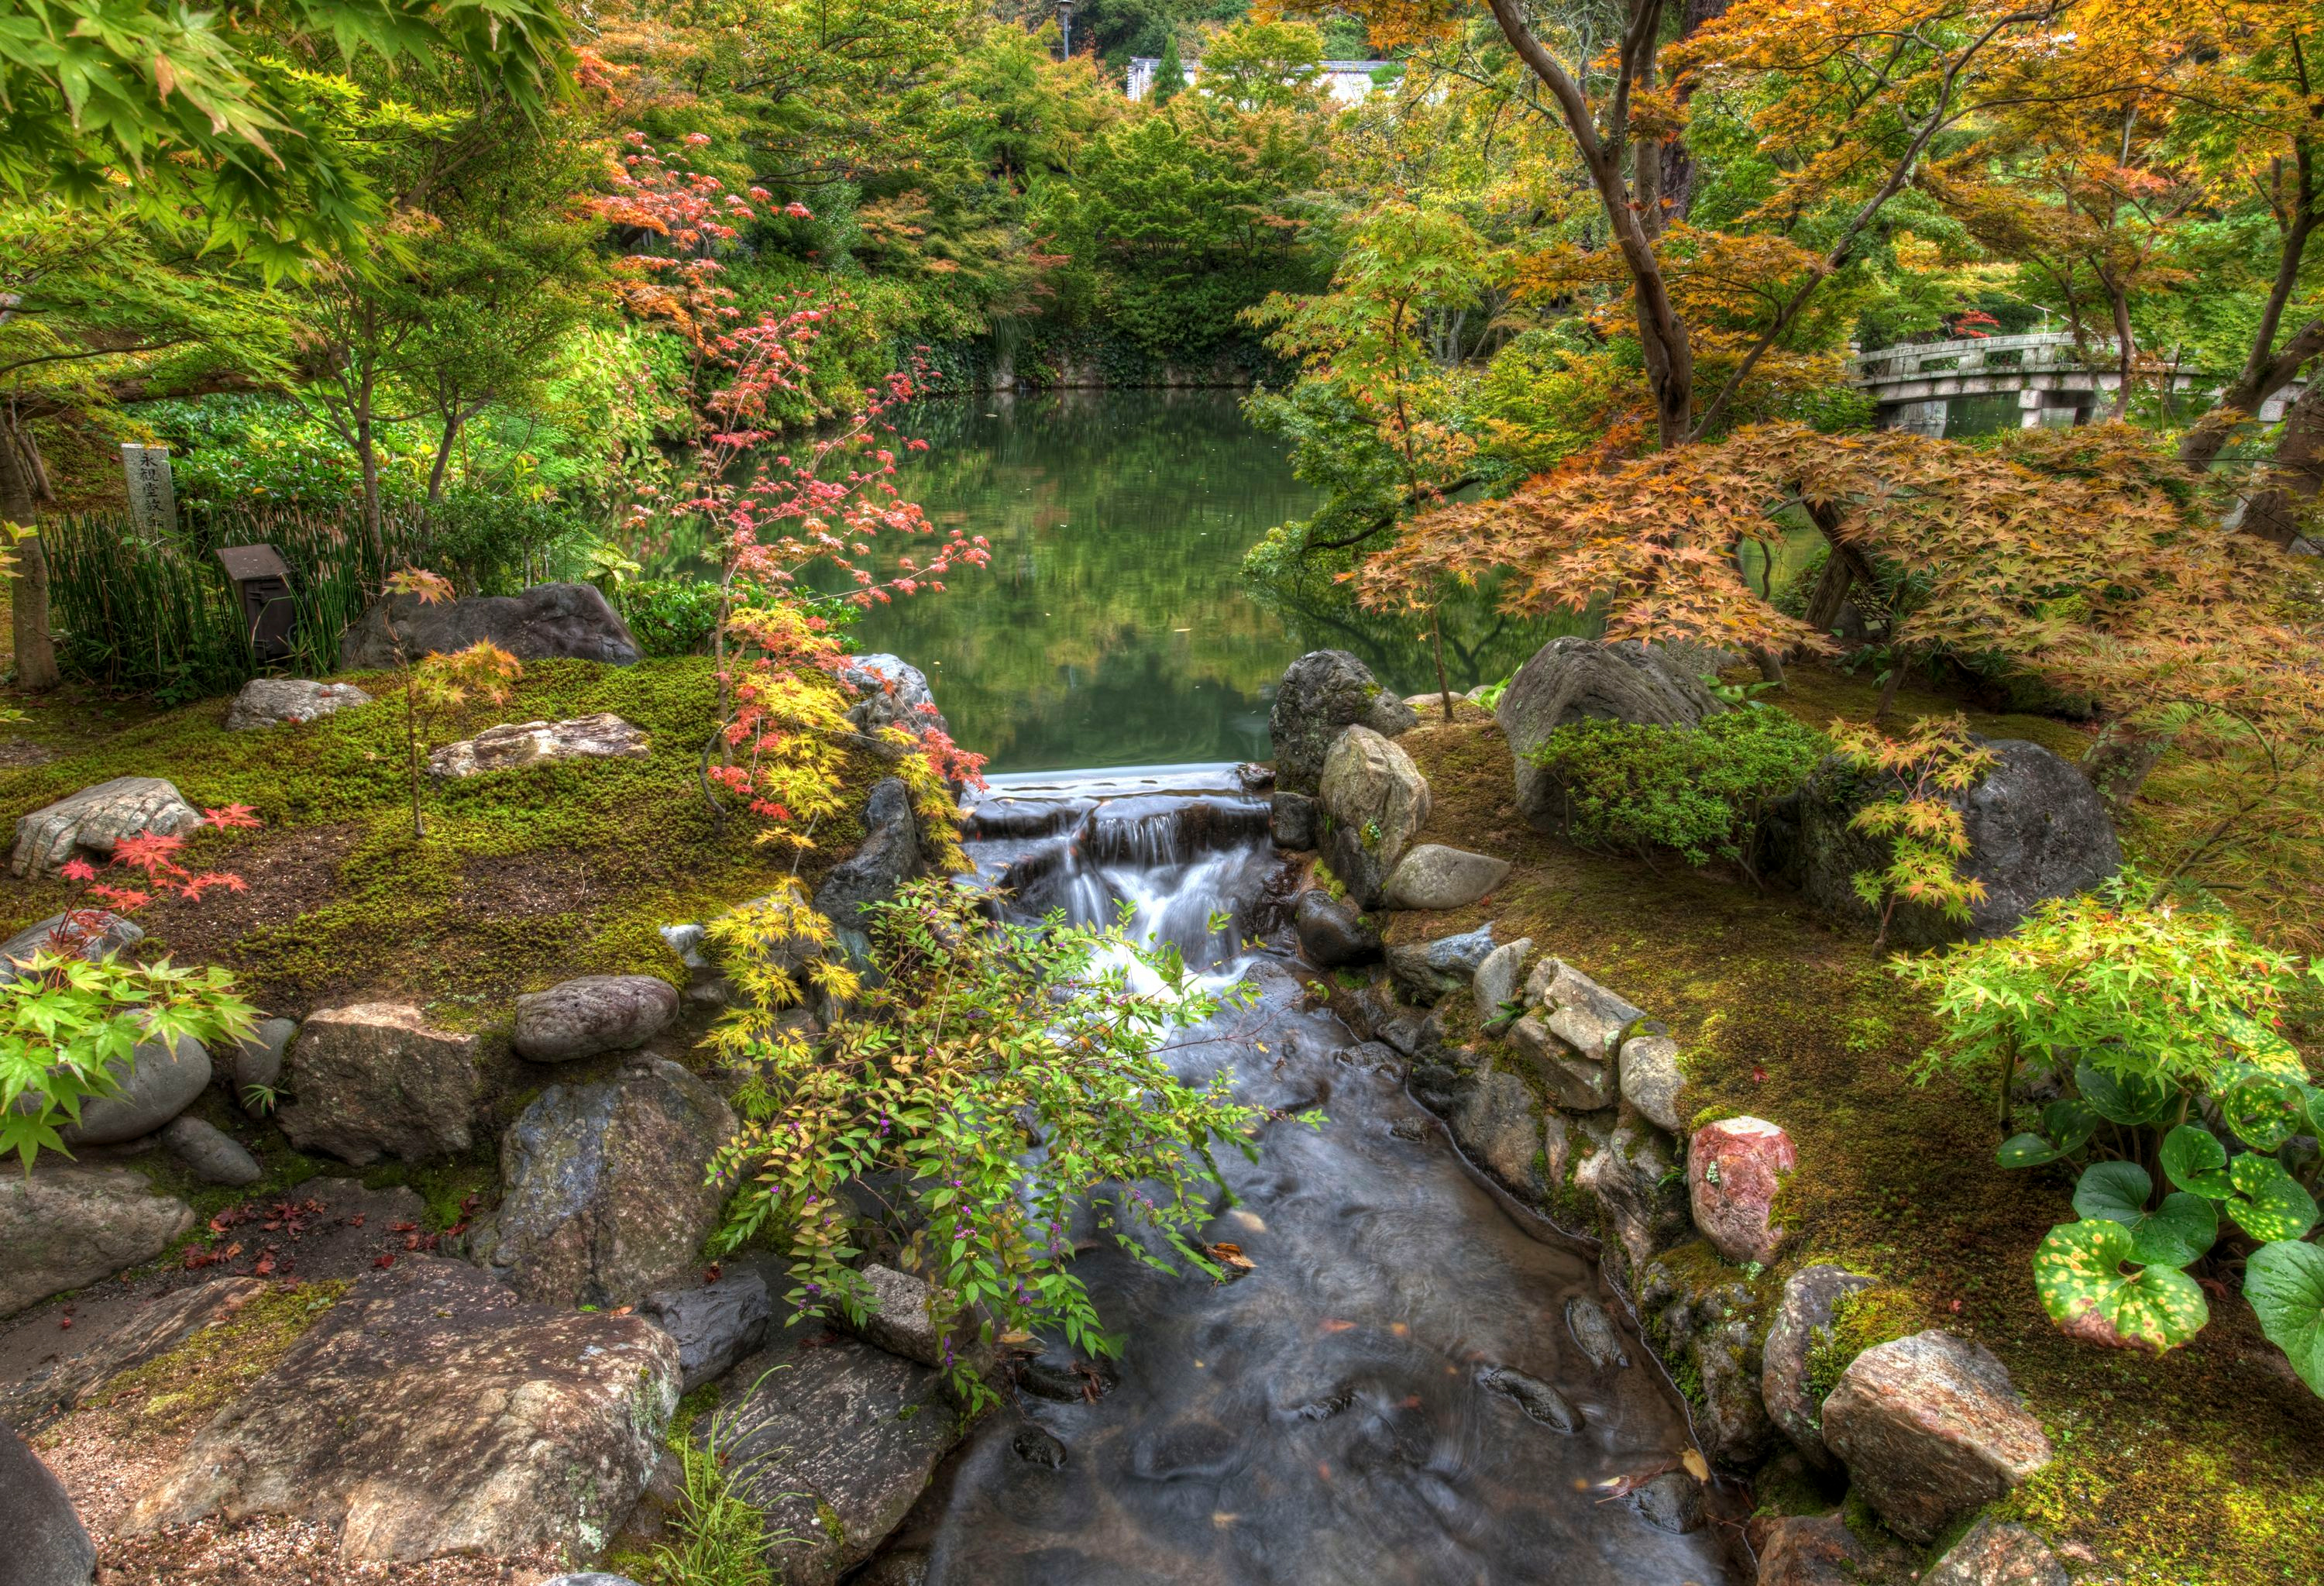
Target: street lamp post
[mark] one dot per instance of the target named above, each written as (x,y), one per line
(1065,26)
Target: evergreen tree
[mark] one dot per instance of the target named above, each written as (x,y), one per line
(1171,77)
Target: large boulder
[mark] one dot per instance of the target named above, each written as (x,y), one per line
(1429,972)
(269,702)
(1707,1321)
(93,933)
(1641,1208)
(1375,801)
(603,1191)
(714,1326)
(1332,932)
(545,622)
(1570,680)
(601,736)
(161,1081)
(1804,1320)
(1434,877)
(96,818)
(431,1414)
(47,1545)
(158,1325)
(595,1014)
(1735,1167)
(1930,1430)
(1323,693)
(375,1080)
(64,1225)
(835,1444)
(2036,830)
(889,856)
(890,692)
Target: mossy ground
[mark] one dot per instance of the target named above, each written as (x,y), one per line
(179,1390)
(2205,1466)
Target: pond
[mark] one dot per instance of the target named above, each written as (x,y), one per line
(1113,627)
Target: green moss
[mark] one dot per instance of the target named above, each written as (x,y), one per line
(444,1187)
(1860,1320)
(180,1390)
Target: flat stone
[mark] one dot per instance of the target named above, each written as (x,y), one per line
(890,692)
(96,934)
(1802,1320)
(1575,679)
(1536,1398)
(1583,1013)
(1576,1082)
(1322,694)
(1291,821)
(429,1414)
(210,1154)
(1497,1120)
(161,1083)
(1673,1502)
(1594,1332)
(1996,1552)
(548,622)
(374,1080)
(714,1326)
(1651,1079)
(269,701)
(47,1545)
(1817,1550)
(257,1059)
(1431,971)
(65,1225)
(1434,877)
(160,1325)
(96,818)
(603,1196)
(1375,801)
(592,1014)
(1930,1430)
(1734,1169)
(1496,982)
(835,1444)
(899,1320)
(603,736)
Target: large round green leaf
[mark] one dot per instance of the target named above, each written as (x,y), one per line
(2263,1109)
(2125,1099)
(2070,1122)
(2284,1282)
(2079,1273)
(2269,1203)
(2026,1151)
(2169,1235)
(2194,1160)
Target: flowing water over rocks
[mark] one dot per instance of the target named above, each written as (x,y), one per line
(1395,1393)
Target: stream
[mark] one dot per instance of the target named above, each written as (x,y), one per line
(1394,1394)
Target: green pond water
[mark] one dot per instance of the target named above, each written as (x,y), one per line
(1112,627)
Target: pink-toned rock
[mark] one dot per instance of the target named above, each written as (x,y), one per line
(1733,1169)
(1818,1549)
(1930,1431)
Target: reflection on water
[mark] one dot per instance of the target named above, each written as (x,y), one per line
(1112,627)
(1393,1396)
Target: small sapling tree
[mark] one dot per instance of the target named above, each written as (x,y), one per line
(1927,837)
(435,685)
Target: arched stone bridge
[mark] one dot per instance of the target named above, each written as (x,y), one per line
(1976,384)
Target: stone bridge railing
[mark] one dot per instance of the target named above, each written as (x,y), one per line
(1922,387)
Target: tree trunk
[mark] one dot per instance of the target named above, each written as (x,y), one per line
(2260,381)
(2291,480)
(2118,764)
(1677,177)
(2125,347)
(24,485)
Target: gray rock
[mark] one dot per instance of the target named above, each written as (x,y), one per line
(269,702)
(1996,1552)
(890,692)
(889,855)
(1434,877)
(714,1326)
(1707,1322)
(1291,821)
(161,1083)
(1497,979)
(835,1444)
(1323,693)
(1583,1013)
(1254,778)
(210,1154)
(1594,1331)
(1431,971)
(1813,1550)
(64,1225)
(1332,933)
(592,1014)
(1930,1431)
(899,1320)
(374,1080)
(1497,1120)
(1574,1082)
(1651,1079)
(155,1327)
(1536,1398)
(603,1191)
(96,818)
(1575,679)
(511,744)
(47,1543)
(1673,1502)
(258,1058)
(94,933)
(1802,1319)
(429,1414)
(2036,830)
(1641,1202)
(545,622)
(1375,801)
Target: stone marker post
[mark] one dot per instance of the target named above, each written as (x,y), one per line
(152,500)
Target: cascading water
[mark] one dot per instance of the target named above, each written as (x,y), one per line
(1398,1392)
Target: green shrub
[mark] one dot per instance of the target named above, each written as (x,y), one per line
(1699,791)
(670,616)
